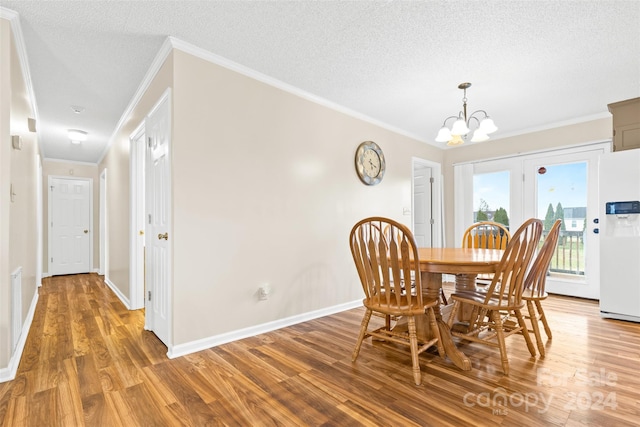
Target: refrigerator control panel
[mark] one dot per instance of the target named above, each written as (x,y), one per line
(623,208)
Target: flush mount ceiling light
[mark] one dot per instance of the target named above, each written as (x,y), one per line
(462,124)
(76,136)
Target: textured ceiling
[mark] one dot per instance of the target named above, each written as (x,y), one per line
(533,64)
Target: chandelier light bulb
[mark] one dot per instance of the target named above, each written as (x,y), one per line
(444,135)
(461,126)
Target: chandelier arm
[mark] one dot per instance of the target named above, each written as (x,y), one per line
(480,111)
(450,117)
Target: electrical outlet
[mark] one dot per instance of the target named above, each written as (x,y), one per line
(264,291)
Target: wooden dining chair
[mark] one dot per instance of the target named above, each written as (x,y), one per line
(486,235)
(381,264)
(496,312)
(534,285)
(386,232)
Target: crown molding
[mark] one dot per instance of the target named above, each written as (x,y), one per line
(246,71)
(16,29)
(155,66)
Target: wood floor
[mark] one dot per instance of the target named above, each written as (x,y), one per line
(88,362)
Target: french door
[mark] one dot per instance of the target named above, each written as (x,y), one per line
(562,184)
(565,187)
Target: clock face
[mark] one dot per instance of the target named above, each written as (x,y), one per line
(370,163)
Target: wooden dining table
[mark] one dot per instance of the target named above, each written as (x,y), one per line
(465,264)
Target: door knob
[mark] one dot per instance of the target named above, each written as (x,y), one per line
(164,236)
(86,231)
(141,232)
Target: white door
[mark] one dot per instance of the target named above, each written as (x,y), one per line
(543,185)
(422,205)
(69,225)
(565,186)
(157,232)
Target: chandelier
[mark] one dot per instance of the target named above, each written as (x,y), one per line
(462,124)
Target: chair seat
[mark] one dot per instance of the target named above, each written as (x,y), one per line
(402,309)
(479,296)
(532,294)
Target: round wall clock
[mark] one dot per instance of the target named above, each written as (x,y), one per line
(370,163)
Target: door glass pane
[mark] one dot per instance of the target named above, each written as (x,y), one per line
(562,194)
(491,197)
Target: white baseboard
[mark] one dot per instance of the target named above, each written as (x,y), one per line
(9,373)
(119,294)
(205,343)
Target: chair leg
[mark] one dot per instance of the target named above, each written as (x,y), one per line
(525,332)
(413,342)
(363,332)
(436,331)
(497,321)
(543,319)
(533,317)
(454,312)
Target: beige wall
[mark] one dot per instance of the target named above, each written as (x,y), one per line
(116,161)
(18,170)
(565,136)
(72,170)
(265,191)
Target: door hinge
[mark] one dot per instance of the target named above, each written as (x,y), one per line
(149,141)
(149,219)
(51,259)
(432,180)
(432,221)
(149,295)
(52,187)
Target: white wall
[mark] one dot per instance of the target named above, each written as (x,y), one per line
(18,171)
(265,191)
(565,136)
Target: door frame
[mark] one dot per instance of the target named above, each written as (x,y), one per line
(463,173)
(150,319)
(50,216)
(589,286)
(437,231)
(39,221)
(104,244)
(136,217)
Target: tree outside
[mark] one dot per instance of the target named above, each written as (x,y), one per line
(549,218)
(501,217)
(560,215)
(483,208)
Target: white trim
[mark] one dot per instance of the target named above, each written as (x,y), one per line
(136,209)
(75,162)
(563,123)
(563,149)
(118,293)
(437,198)
(103,242)
(9,373)
(157,63)
(39,221)
(49,216)
(18,38)
(216,340)
(246,71)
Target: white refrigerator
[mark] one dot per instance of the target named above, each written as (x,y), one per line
(619,194)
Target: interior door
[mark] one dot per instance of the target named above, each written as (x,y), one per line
(69,225)
(422,205)
(566,187)
(158,208)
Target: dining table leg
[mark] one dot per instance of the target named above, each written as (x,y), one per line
(432,283)
(465,282)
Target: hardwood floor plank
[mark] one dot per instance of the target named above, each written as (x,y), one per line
(87,361)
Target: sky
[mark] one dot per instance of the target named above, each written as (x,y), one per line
(564,183)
